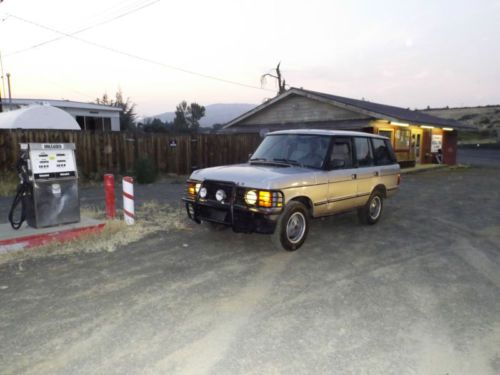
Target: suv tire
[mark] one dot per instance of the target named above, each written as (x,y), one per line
(292,226)
(371,212)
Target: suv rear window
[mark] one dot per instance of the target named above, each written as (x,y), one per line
(364,154)
(341,156)
(382,151)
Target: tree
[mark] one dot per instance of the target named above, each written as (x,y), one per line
(281,81)
(195,113)
(216,127)
(180,124)
(127,114)
(155,126)
(187,117)
(104,100)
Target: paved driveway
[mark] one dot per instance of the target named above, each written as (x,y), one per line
(419,293)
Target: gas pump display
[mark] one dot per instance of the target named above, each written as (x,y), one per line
(48,191)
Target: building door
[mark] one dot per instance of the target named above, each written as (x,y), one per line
(416,144)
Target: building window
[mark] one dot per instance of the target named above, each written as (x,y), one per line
(81,121)
(386,133)
(92,123)
(106,124)
(402,139)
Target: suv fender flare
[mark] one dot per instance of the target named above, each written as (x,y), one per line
(381,188)
(306,201)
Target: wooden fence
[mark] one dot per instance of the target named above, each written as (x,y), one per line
(99,152)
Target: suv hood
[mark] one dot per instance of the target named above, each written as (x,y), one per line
(258,176)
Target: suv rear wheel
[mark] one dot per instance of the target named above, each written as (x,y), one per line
(370,213)
(292,226)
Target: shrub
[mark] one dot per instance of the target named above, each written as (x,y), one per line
(484,120)
(145,171)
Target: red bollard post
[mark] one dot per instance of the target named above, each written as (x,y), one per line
(109,192)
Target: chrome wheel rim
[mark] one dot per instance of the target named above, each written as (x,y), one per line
(296,227)
(375,207)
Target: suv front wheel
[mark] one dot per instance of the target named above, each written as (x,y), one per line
(292,226)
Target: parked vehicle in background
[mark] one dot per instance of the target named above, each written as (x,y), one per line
(292,177)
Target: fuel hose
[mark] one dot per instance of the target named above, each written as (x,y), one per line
(23,191)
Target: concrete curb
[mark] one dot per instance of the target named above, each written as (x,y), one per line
(11,240)
(431,167)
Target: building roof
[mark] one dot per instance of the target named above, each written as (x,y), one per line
(38,117)
(375,110)
(63,104)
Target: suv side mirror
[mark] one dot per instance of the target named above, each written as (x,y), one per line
(337,164)
(250,155)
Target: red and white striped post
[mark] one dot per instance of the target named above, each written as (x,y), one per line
(109,193)
(128,200)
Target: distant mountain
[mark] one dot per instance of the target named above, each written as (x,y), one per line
(214,113)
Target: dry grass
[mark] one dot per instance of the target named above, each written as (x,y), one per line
(8,184)
(152,217)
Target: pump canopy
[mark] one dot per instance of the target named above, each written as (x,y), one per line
(39,117)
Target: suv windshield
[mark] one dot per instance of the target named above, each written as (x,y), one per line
(293,149)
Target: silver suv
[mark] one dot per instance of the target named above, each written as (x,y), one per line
(294,176)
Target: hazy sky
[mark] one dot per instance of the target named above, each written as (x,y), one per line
(406,53)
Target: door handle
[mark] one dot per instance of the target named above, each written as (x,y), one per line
(354,176)
(377,173)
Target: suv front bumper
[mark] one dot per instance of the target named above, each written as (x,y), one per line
(240,218)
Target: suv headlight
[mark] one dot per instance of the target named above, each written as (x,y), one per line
(251,197)
(193,188)
(264,198)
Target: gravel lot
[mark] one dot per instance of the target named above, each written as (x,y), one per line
(419,293)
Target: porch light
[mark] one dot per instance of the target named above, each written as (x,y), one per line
(399,124)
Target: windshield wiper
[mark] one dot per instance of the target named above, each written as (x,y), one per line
(288,161)
(258,159)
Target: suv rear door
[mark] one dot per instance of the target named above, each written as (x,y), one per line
(341,174)
(367,174)
(386,161)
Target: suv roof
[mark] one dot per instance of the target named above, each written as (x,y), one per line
(326,132)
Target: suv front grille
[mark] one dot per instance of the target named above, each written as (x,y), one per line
(213,186)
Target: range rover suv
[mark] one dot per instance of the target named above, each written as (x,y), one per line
(295,176)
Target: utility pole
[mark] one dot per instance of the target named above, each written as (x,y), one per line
(8,86)
(1,70)
(1,66)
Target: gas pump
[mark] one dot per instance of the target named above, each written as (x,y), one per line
(48,188)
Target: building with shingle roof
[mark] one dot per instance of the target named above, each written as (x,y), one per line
(417,137)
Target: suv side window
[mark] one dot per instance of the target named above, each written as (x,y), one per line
(341,155)
(364,153)
(382,152)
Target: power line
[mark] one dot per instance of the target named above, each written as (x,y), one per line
(136,57)
(86,28)
(59,84)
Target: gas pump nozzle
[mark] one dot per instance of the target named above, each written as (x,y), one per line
(23,191)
